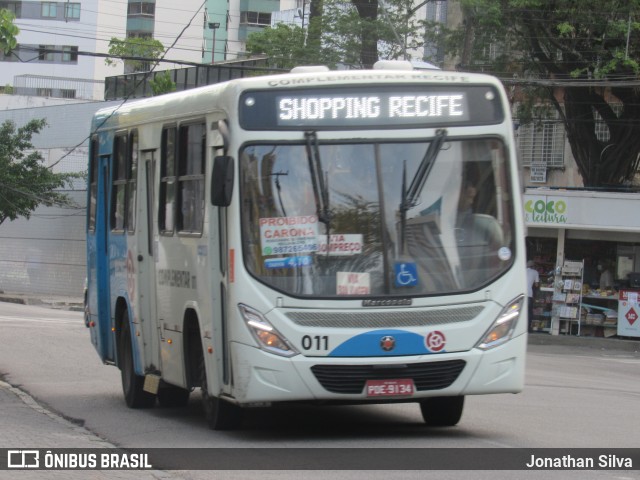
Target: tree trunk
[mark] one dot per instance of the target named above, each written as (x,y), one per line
(368,11)
(603,162)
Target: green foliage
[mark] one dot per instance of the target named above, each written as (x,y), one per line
(162,83)
(24,182)
(355,34)
(8,31)
(284,44)
(565,40)
(145,51)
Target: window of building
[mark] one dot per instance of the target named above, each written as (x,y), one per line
(601,128)
(119,185)
(72,11)
(67,93)
(70,54)
(45,53)
(166,212)
(191,166)
(13,7)
(255,18)
(141,8)
(542,143)
(49,10)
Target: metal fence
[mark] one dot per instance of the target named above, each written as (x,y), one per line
(138,85)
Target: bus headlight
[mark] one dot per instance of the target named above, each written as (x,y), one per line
(502,329)
(268,338)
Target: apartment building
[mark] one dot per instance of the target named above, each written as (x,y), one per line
(57,40)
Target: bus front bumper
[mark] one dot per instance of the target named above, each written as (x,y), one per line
(261,377)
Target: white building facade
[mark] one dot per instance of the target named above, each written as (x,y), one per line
(57,39)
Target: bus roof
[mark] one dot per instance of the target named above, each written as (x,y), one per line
(192,102)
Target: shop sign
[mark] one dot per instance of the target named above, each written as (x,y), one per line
(628,309)
(545,210)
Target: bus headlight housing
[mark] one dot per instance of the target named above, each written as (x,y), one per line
(503,327)
(268,338)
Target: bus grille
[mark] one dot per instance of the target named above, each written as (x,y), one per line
(352,378)
(397,319)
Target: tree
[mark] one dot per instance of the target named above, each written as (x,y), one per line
(589,48)
(141,52)
(8,31)
(285,45)
(355,34)
(24,182)
(162,83)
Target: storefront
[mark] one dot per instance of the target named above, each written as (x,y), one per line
(586,246)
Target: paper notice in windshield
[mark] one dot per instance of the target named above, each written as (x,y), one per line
(340,244)
(289,235)
(353,283)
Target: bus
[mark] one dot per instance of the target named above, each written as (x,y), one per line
(337,237)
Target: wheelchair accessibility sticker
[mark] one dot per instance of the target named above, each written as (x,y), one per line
(406,274)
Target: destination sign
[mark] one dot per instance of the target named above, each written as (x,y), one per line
(384,106)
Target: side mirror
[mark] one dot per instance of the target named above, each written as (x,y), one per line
(222,181)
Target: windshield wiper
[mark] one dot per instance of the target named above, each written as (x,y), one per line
(320,190)
(410,195)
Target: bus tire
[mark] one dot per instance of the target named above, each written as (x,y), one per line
(219,414)
(170,396)
(442,411)
(132,384)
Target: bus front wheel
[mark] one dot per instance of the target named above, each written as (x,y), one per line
(220,414)
(442,411)
(132,384)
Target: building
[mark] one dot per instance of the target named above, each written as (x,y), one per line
(57,40)
(46,254)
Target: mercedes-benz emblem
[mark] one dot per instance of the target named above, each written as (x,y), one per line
(387,343)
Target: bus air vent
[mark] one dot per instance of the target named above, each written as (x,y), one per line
(351,379)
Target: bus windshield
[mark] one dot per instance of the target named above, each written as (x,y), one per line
(376,219)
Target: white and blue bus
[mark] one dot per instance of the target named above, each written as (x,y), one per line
(334,237)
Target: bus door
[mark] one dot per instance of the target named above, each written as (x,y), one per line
(147,255)
(103,340)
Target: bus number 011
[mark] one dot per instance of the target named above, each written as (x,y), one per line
(321,342)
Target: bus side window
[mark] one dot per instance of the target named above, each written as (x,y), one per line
(167,181)
(93,185)
(191,166)
(132,174)
(119,185)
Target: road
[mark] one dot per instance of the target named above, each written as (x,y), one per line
(574,398)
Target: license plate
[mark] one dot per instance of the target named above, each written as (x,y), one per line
(401,387)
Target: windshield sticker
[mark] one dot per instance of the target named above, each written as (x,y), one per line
(290,262)
(504,254)
(406,274)
(282,235)
(340,245)
(351,283)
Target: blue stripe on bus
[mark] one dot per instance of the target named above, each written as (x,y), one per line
(369,344)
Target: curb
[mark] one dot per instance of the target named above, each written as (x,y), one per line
(589,343)
(71,304)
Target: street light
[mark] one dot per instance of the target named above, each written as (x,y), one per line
(213,26)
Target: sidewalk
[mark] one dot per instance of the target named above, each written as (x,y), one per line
(25,424)
(75,304)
